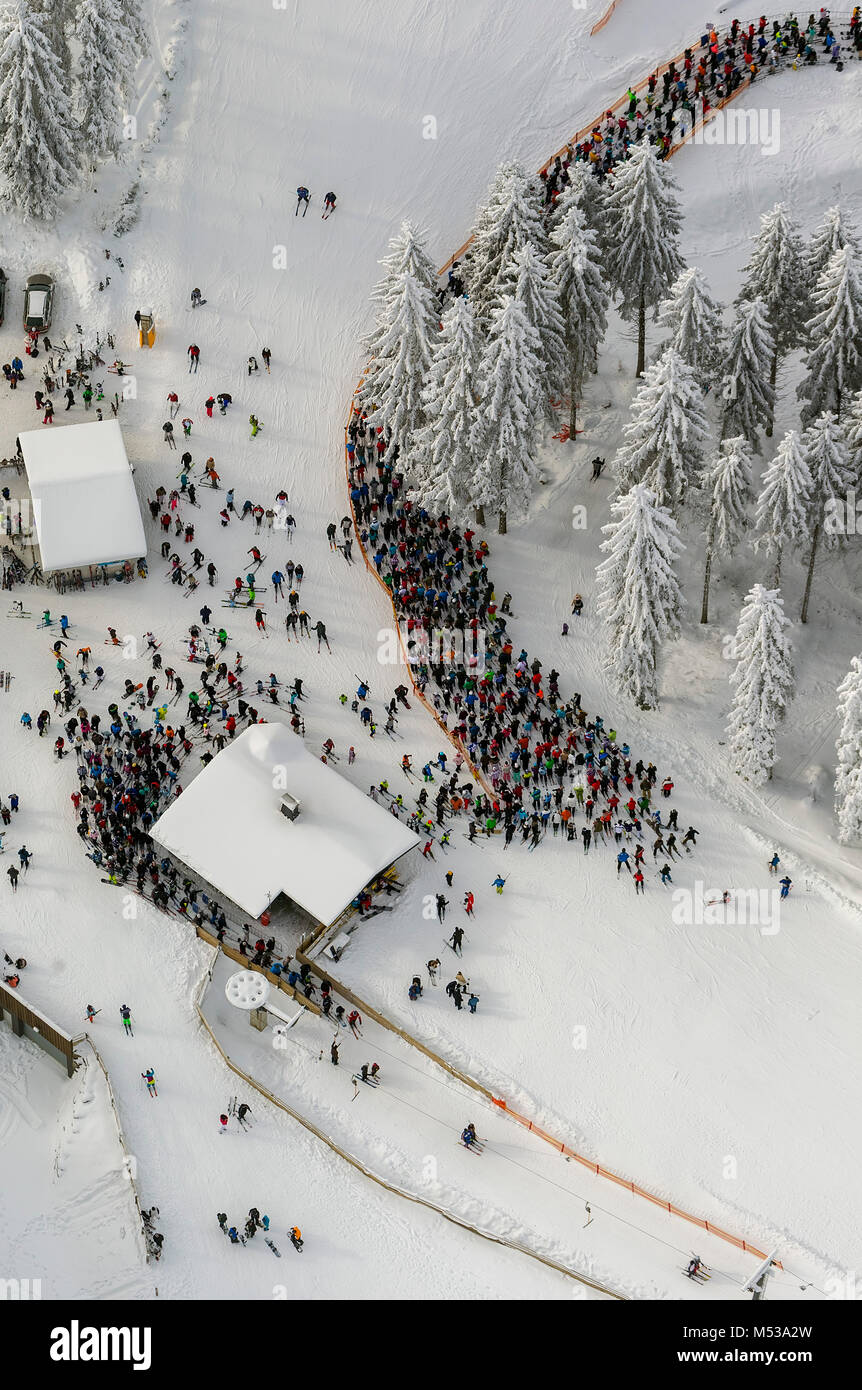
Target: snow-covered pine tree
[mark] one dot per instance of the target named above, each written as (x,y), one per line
(406,255)
(825,450)
(640,596)
(748,399)
(663,444)
(105,70)
(762,682)
(584,192)
(848,745)
(37,147)
(395,379)
(134,25)
(576,267)
(728,481)
(510,218)
(643,221)
(833,233)
(782,515)
(59,18)
(853,431)
(529,280)
(510,385)
(444,451)
(834,335)
(693,319)
(777,274)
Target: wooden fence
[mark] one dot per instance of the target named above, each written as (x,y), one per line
(27,1022)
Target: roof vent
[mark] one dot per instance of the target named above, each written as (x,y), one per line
(289,806)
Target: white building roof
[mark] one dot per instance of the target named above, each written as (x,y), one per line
(227,826)
(84,502)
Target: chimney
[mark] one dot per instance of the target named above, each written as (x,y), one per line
(289,806)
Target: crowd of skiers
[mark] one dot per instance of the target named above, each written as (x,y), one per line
(548,763)
(689,88)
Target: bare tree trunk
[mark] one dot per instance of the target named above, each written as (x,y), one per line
(803,617)
(641,336)
(573,401)
(773,377)
(480,516)
(776,583)
(704,611)
(501,527)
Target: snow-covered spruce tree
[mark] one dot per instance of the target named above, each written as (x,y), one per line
(762,682)
(728,481)
(510,218)
(59,18)
(444,450)
(825,450)
(748,399)
(406,255)
(584,192)
(37,148)
(782,515)
(834,334)
(848,745)
(104,72)
(529,280)
(663,444)
(643,221)
(833,233)
(693,319)
(134,26)
(576,268)
(640,597)
(778,275)
(395,379)
(853,431)
(510,385)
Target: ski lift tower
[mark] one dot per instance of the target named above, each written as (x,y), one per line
(248,990)
(756,1285)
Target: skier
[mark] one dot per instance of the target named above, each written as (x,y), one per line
(774,863)
(149,1077)
(333,1054)
(598,465)
(468,904)
(328,204)
(472,1003)
(255,425)
(320,629)
(786,885)
(577,605)
(126,1016)
(197,299)
(690,837)
(456,939)
(222,1119)
(354,1019)
(168,430)
(301,197)
(469,1136)
(498,883)
(194,353)
(432,966)
(442,904)
(221,1217)
(266,355)
(242,1112)
(91,1013)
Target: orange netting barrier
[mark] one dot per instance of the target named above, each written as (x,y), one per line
(634,1188)
(604,19)
(557,1144)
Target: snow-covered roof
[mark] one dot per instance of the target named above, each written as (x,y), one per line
(227,826)
(84,502)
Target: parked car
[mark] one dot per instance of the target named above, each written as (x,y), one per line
(3,283)
(38,302)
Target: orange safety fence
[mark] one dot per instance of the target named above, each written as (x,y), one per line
(633,1187)
(562,1148)
(604,19)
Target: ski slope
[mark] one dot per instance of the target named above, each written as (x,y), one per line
(703,1043)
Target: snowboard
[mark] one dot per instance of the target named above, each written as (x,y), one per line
(274,1248)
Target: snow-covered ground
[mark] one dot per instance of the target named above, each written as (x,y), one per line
(718,1065)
